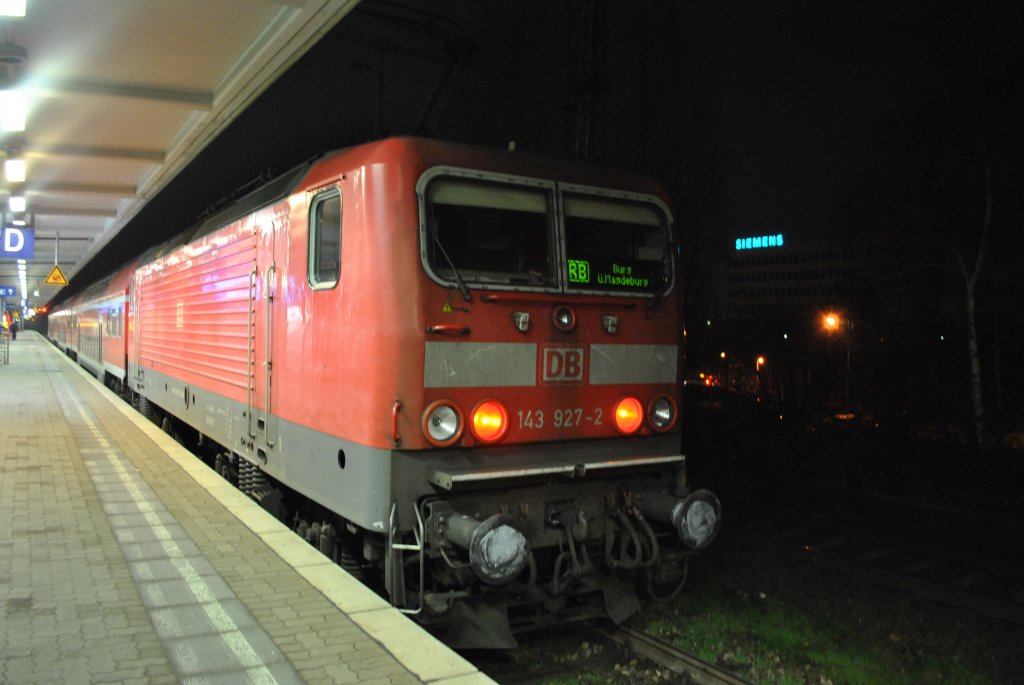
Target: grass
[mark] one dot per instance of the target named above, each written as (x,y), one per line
(760,638)
(777,621)
(771,641)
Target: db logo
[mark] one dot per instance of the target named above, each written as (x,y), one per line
(562,364)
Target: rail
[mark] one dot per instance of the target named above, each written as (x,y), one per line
(697,670)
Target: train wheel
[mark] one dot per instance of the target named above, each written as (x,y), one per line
(147,409)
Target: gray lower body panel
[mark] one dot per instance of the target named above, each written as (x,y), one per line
(351,480)
(360,483)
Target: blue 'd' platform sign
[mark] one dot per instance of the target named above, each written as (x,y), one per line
(8,291)
(18,243)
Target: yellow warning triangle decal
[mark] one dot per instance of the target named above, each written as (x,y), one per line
(447,308)
(56,277)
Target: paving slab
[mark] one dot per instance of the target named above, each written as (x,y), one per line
(123,558)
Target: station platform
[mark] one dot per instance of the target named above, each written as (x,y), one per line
(125,559)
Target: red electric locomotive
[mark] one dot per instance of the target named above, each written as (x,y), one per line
(453,366)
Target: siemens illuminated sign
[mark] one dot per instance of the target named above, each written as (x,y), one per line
(758,242)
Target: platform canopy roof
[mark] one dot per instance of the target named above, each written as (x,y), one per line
(120,97)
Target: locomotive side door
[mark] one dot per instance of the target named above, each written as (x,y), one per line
(132,310)
(264,311)
(101,321)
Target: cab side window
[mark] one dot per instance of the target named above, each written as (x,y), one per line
(325,240)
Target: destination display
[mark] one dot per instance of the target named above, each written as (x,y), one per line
(607,274)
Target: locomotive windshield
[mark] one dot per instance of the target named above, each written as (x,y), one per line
(489,233)
(506,233)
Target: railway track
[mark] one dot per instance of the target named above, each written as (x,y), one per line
(699,671)
(631,655)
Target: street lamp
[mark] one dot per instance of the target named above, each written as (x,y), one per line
(832,323)
(762,384)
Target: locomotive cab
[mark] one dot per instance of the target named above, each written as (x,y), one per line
(548,411)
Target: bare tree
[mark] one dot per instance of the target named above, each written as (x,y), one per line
(934,192)
(970,273)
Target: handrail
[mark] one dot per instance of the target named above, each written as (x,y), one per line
(249,371)
(547,298)
(395,437)
(393,546)
(267,363)
(448,329)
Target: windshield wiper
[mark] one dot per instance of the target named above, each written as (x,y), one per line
(463,288)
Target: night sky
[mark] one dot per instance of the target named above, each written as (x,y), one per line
(754,114)
(798,90)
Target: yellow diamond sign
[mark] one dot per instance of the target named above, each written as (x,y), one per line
(56,277)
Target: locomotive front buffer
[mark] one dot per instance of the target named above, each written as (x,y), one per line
(568,543)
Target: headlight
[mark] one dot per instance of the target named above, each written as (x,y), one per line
(662,413)
(442,423)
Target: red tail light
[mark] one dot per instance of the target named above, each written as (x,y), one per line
(629,415)
(490,421)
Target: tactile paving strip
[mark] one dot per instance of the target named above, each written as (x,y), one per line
(208,634)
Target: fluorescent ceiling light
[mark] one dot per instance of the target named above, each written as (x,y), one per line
(12,8)
(17,203)
(13,104)
(14,170)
